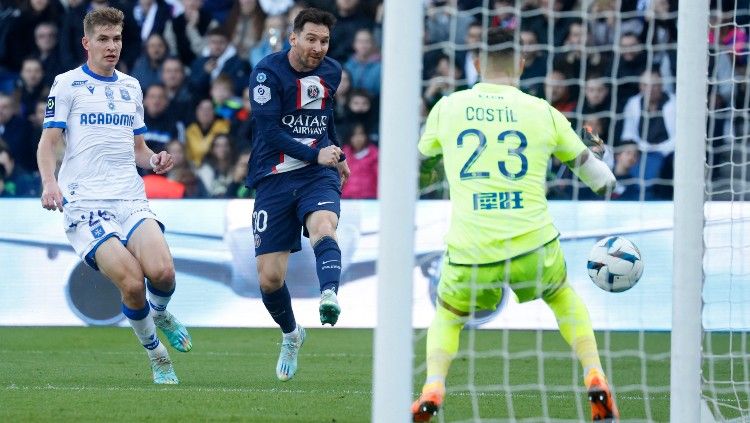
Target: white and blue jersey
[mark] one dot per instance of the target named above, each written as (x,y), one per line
(99,116)
(292,117)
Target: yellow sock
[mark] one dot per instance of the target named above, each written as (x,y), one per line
(575,327)
(442,344)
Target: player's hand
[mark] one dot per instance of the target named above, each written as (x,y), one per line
(52,196)
(593,142)
(344,172)
(329,156)
(161,162)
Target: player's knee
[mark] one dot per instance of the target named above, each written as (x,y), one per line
(270,279)
(163,273)
(133,292)
(322,229)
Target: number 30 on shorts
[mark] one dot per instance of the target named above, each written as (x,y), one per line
(260,221)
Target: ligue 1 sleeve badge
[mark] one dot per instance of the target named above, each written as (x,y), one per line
(261,94)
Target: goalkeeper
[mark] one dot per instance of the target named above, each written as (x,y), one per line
(496,142)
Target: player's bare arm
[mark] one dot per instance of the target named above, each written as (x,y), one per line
(145,158)
(51,195)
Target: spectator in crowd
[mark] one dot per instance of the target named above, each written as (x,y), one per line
(557,92)
(627,157)
(237,188)
(544,17)
(151,17)
(18,182)
(363,162)
(200,133)
(36,120)
(241,130)
(30,86)
(631,65)
(465,56)
(45,38)
(160,122)
(349,19)
(179,96)
(596,101)
(342,93)
(15,130)
(226,104)
(649,120)
(444,81)
(273,39)
(22,42)
(185,33)
(245,25)
(364,65)
(359,110)
(601,25)
(216,170)
(183,172)
(148,65)
(535,64)
(503,15)
(441,18)
(221,58)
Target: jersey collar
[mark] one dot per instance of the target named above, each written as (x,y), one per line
(91,73)
(488,87)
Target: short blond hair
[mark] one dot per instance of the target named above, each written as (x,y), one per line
(107,16)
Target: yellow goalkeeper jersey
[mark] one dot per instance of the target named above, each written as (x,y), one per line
(496,142)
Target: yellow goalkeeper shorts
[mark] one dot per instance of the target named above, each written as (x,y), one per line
(532,275)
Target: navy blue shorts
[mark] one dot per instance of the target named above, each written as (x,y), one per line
(281,206)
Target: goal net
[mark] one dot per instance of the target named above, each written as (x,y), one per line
(609,65)
(725,378)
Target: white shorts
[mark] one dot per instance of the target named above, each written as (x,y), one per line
(88,223)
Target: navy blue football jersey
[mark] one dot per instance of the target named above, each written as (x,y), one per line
(292,116)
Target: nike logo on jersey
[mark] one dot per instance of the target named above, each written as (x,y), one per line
(320,203)
(329,261)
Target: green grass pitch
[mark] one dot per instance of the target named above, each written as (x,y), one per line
(102,374)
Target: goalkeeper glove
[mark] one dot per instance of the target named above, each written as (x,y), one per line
(593,142)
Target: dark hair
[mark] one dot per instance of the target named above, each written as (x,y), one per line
(314,16)
(501,42)
(217,31)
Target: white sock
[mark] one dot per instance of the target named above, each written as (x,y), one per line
(158,299)
(145,330)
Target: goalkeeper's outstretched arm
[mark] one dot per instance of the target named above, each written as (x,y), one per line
(593,172)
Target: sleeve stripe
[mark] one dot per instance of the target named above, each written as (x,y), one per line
(139,131)
(53,124)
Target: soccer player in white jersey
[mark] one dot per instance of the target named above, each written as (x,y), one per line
(99,113)
(496,143)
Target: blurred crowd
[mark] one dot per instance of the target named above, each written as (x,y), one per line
(607,64)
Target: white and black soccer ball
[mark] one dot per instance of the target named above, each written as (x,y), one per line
(615,264)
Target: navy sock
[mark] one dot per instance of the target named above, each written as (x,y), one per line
(279,305)
(328,263)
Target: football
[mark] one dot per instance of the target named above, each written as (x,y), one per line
(615,264)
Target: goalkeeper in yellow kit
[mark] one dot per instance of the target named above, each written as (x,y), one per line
(496,142)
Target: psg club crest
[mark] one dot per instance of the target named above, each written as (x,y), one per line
(313,91)
(124,94)
(257,240)
(261,94)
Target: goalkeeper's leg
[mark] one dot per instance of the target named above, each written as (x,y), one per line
(442,346)
(575,327)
